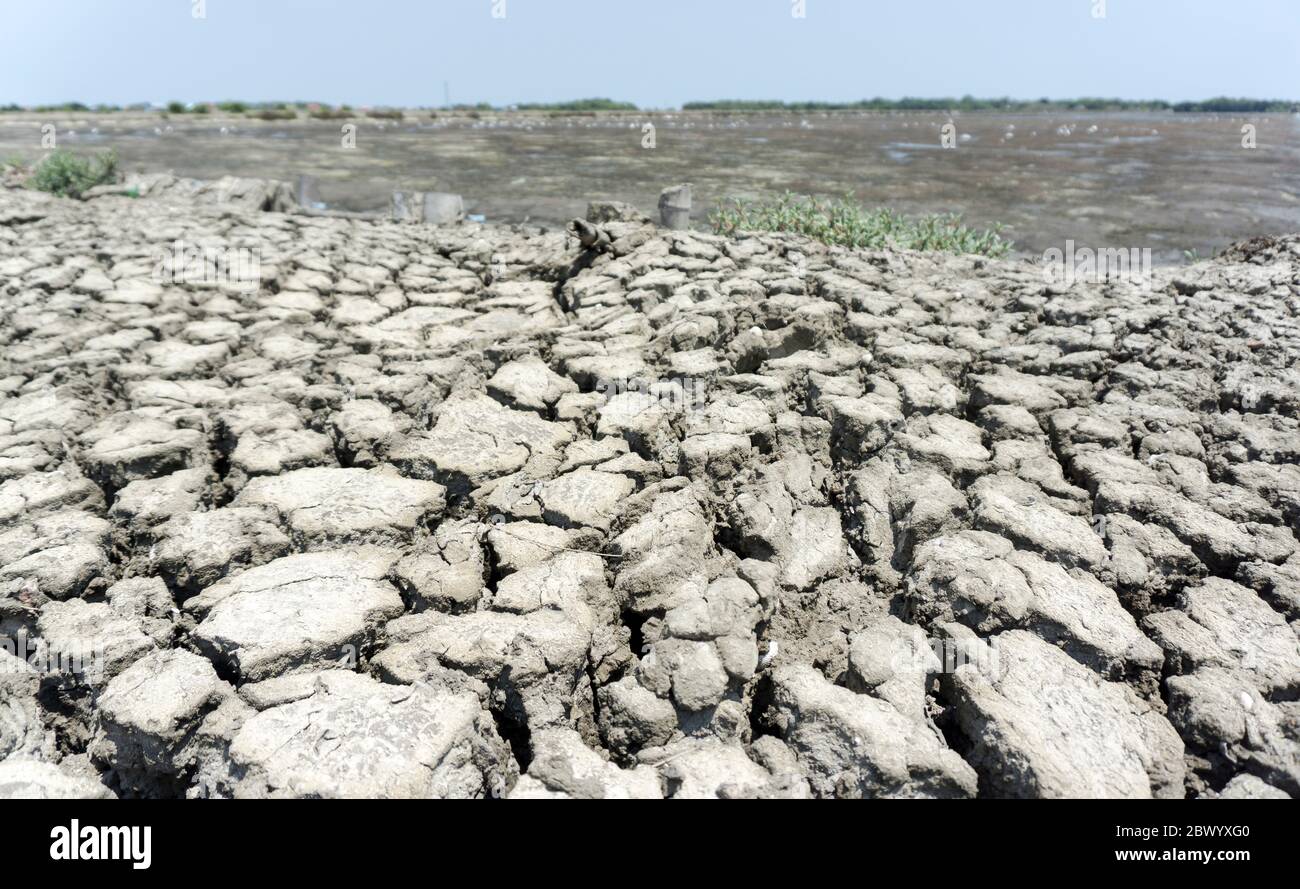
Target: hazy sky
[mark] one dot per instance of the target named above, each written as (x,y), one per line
(657,53)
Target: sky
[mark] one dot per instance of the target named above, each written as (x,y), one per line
(656,53)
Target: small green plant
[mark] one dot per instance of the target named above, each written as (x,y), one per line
(1192,255)
(71,175)
(232,107)
(385,114)
(175,108)
(844,223)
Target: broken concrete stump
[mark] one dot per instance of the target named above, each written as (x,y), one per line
(443,208)
(675,207)
(432,207)
(406,206)
(307,192)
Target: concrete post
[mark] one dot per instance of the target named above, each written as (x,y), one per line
(307,192)
(675,207)
(442,208)
(407,206)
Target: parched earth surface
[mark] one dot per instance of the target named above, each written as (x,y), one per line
(480,512)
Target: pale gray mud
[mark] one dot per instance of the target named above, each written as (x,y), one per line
(474,512)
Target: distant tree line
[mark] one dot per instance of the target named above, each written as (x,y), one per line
(286,110)
(578,105)
(1223,103)
(970,103)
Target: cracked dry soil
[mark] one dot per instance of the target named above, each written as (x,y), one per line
(470,512)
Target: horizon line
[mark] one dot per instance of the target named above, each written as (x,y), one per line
(916,103)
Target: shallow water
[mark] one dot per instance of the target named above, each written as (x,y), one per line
(1125,180)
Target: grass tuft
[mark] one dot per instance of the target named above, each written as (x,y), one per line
(844,223)
(71,175)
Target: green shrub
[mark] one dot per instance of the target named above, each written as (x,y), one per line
(276,114)
(70,175)
(385,114)
(175,108)
(232,107)
(844,223)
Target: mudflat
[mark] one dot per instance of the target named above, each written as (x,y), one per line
(1164,181)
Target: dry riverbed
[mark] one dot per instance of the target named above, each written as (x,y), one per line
(355,508)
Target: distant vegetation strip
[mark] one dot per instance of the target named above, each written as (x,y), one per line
(323,110)
(969,103)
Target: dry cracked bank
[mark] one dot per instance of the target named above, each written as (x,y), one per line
(477,512)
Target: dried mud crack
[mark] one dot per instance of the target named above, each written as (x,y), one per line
(477,512)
